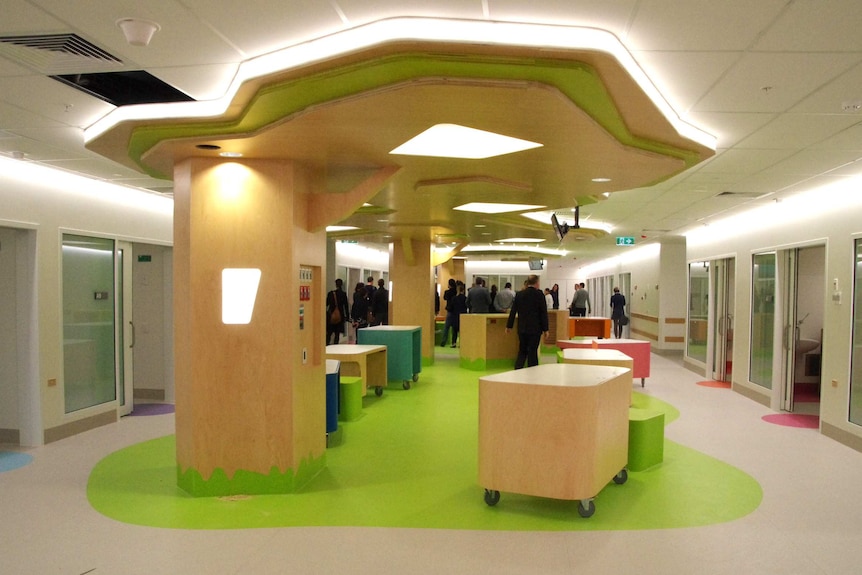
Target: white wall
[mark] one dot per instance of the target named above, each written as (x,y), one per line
(830,216)
(52,202)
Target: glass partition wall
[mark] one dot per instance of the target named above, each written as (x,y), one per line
(89,360)
(698,310)
(762,319)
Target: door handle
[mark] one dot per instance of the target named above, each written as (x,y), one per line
(132,325)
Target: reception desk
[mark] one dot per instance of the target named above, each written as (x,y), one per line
(485,343)
(366,361)
(636,349)
(590,327)
(554,430)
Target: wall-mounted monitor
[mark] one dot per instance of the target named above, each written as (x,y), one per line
(536,264)
(560,229)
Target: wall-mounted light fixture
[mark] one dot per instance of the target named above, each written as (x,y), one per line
(238,293)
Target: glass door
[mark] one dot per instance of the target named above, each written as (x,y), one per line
(723,278)
(789,329)
(125,332)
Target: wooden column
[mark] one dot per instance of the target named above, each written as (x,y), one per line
(412,278)
(250,399)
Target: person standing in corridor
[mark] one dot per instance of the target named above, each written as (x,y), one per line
(532,313)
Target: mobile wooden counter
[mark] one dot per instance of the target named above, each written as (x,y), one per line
(589,326)
(405,349)
(637,349)
(485,343)
(558,326)
(604,356)
(366,361)
(554,430)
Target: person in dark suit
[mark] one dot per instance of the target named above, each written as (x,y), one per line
(380,304)
(532,312)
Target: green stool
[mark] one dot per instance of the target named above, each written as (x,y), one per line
(559,356)
(351,398)
(646,438)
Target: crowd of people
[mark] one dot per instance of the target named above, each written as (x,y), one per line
(370,307)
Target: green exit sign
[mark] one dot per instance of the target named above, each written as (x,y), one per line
(625,241)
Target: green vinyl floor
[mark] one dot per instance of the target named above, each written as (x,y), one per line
(411,462)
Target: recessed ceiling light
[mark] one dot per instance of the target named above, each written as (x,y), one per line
(601,180)
(490,208)
(522,240)
(480,226)
(383,221)
(340,228)
(230,154)
(454,141)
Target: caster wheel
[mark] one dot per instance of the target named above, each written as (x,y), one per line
(586,508)
(621,477)
(415,377)
(492,497)
(406,384)
(378,391)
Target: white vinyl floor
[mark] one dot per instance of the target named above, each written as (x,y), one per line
(810,520)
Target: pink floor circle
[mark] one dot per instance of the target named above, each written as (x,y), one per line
(714,383)
(793,420)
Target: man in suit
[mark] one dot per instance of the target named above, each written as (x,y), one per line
(532,312)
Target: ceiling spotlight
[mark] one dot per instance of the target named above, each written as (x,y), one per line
(138,32)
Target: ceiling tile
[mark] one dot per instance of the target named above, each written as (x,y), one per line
(611,15)
(773,82)
(830,99)
(730,127)
(743,162)
(700,24)
(700,69)
(793,30)
(794,131)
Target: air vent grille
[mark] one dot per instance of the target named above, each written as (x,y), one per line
(55,54)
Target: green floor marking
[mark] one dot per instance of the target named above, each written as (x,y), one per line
(412,462)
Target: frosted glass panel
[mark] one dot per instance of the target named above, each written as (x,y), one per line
(698,310)
(762,318)
(88,322)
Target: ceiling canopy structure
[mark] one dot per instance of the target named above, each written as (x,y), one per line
(595,123)
(776,83)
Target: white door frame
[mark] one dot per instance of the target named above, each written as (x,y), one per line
(125,328)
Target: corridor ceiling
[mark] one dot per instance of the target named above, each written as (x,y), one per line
(778,84)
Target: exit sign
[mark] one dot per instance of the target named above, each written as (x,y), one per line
(625,241)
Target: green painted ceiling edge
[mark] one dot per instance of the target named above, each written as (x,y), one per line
(579,82)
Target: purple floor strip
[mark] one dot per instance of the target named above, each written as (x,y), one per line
(152,408)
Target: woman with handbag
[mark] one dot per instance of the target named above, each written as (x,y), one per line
(336,312)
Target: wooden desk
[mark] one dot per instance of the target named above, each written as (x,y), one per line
(405,349)
(554,430)
(366,361)
(557,326)
(638,350)
(590,327)
(485,343)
